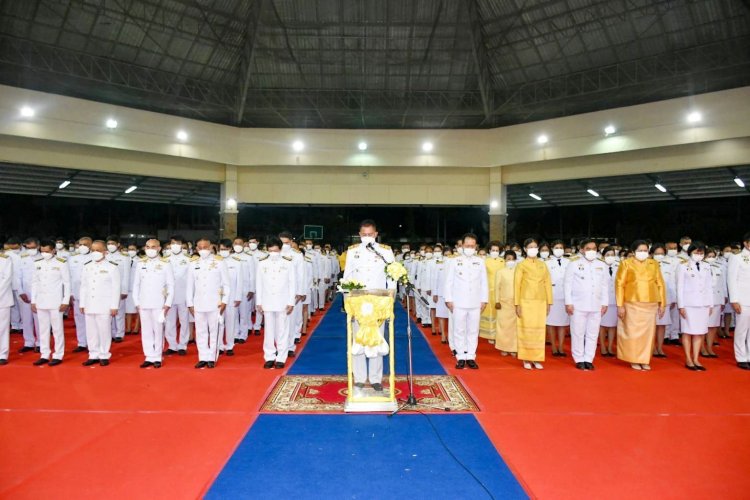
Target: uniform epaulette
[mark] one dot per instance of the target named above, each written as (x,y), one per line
(574,258)
(308,258)
(164,259)
(386,247)
(60,259)
(218,257)
(3,255)
(682,259)
(23,256)
(194,258)
(40,258)
(353,246)
(287,257)
(113,263)
(143,258)
(236,258)
(263,258)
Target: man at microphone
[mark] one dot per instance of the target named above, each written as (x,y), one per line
(365,262)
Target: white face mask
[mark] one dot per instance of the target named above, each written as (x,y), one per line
(685,248)
(610,259)
(428,255)
(151,253)
(710,260)
(697,257)
(510,264)
(83,249)
(407,257)
(32,251)
(558,252)
(238,248)
(658,257)
(469,251)
(404,250)
(97,256)
(727,254)
(204,253)
(590,255)
(111,248)
(274,254)
(641,256)
(176,249)
(532,252)
(672,252)
(132,253)
(59,246)
(309,247)
(544,254)
(71,249)
(47,255)
(368,239)
(224,253)
(421,252)
(494,254)
(286,247)
(318,250)
(253,246)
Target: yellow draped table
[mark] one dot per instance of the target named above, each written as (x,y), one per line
(370,309)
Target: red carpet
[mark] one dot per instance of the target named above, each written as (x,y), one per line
(615,432)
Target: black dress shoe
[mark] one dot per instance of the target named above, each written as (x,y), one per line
(700,368)
(3,361)
(157,364)
(239,341)
(454,352)
(90,362)
(25,349)
(146,364)
(117,340)
(229,352)
(268,364)
(297,341)
(692,368)
(279,364)
(581,366)
(359,384)
(37,350)
(472,364)
(713,355)
(461,364)
(211,364)
(170,352)
(182,352)
(290,354)
(443,341)
(589,366)
(103,362)
(304,334)
(80,348)
(744,365)
(55,362)
(562,354)
(221,353)
(201,364)
(377,387)
(257,333)
(40,362)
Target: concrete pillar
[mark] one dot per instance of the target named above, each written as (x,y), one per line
(498,206)
(229,210)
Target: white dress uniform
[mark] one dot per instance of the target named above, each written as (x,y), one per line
(50,289)
(719,287)
(364,265)
(324,266)
(295,320)
(130,307)
(276,289)
(311,281)
(236,270)
(258,323)
(557,315)
(9,283)
(586,286)
(153,290)
(609,319)
(29,320)
(695,295)
(466,287)
(428,269)
(248,286)
(122,259)
(675,321)
(669,274)
(179,311)
(438,281)
(99,295)
(207,288)
(15,312)
(75,266)
(738,283)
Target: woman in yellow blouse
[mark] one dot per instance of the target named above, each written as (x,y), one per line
(533,297)
(506,340)
(641,296)
(493,263)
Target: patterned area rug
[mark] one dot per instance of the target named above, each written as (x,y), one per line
(327,393)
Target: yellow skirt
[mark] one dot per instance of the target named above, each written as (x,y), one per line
(488,320)
(532,331)
(635,335)
(506,338)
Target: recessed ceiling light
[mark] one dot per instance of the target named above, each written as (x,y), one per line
(609,130)
(660,187)
(592,192)
(182,135)
(739,182)
(298,146)
(535,196)
(131,189)
(362,146)
(427,147)
(542,139)
(694,117)
(111,123)
(63,185)
(27,112)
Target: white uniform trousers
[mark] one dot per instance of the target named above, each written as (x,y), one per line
(51,319)
(584,334)
(673,330)
(276,336)
(742,335)
(99,335)
(118,322)
(243,319)
(466,332)
(152,334)
(322,287)
(206,334)
(313,298)
(5,314)
(80,321)
(229,330)
(30,324)
(451,329)
(361,363)
(294,325)
(258,323)
(181,312)
(15,315)
(427,319)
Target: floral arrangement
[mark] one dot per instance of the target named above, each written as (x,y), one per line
(349,285)
(397,272)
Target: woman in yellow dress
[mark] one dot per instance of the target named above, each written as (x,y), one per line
(493,263)
(641,296)
(533,298)
(506,340)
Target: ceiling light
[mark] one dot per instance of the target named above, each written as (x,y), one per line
(27,112)
(182,135)
(535,196)
(131,189)
(64,185)
(660,187)
(362,146)
(694,117)
(231,204)
(298,146)
(739,182)
(542,139)
(592,192)
(427,147)
(609,130)
(111,123)
(494,204)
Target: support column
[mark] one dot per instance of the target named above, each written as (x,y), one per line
(498,206)
(229,210)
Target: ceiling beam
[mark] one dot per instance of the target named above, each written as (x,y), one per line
(250,37)
(481,61)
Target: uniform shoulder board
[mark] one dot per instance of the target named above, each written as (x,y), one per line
(60,259)
(574,258)
(143,258)
(236,258)
(286,257)
(3,255)
(218,257)
(194,258)
(23,256)
(682,259)
(164,259)
(353,246)
(263,258)
(385,246)
(113,263)
(40,258)
(308,258)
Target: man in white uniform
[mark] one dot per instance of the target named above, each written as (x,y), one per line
(366,263)
(738,283)
(118,256)
(466,295)
(29,320)
(180,261)
(50,296)
(586,288)
(295,321)
(9,283)
(207,296)
(153,292)
(253,251)
(99,301)
(275,299)
(75,266)
(230,323)
(248,289)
